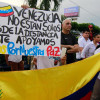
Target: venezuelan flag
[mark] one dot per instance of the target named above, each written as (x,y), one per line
(68,82)
(84,93)
(6,11)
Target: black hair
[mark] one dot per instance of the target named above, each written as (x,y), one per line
(86,30)
(95,34)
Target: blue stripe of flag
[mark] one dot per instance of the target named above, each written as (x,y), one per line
(6,11)
(83,91)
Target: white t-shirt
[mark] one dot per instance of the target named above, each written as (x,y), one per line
(47,62)
(44,62)
(97,51)
(80,38)
(82,43)
(88,50)
(15,58)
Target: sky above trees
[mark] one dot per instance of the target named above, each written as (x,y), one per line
(89,9)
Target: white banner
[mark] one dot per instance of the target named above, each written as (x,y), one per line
(29,31)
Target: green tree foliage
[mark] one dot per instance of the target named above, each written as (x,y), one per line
(75,26)
(63,17)
(96,29)
(32,3)
(45,4)
(83,26)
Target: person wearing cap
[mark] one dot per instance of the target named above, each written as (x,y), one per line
(91,32)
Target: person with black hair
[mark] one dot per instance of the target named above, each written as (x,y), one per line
(82,42)
(90,47)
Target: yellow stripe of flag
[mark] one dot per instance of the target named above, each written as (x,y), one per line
(48,84)
(5,8)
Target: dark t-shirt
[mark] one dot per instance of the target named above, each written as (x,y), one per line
(69,39)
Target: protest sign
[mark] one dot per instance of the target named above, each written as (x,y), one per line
(29,31)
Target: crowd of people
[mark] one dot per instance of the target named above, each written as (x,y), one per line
(76,50)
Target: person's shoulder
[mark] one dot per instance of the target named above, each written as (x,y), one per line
(97,51)
(71,34)
(89,40)
(62,33)
(81,39)
(98,47)
(90,43)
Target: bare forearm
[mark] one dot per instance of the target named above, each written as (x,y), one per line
(73,50)
(66,46)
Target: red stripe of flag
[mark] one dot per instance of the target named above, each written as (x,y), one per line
(6,14)
(87,97)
